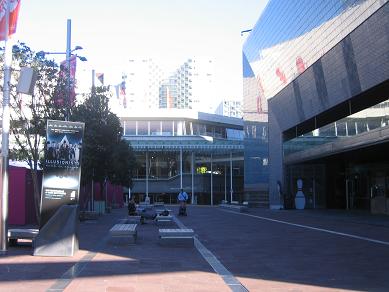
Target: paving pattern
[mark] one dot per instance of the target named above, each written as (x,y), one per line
(262,250)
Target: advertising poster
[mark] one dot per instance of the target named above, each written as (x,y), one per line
(62,170)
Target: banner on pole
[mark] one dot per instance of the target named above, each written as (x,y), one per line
(14,6)
(62,171)
(69,91)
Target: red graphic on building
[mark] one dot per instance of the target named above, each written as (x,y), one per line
(281,75)
(300,65)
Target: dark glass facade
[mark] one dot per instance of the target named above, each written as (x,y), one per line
(316,72)
(289,38)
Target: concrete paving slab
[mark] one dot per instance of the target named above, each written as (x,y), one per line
(262,250)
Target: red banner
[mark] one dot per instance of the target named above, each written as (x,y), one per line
(14,6)
(72,75)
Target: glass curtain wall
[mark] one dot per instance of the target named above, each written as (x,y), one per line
(366,120)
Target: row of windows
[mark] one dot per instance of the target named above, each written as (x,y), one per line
(364,121)
(179,128)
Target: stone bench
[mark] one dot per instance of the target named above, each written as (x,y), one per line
(14,234)
(163,219)
(239,208)
(176,237)
(125,232)
(131,220)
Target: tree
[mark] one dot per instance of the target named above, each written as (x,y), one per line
(105,154)
(30,113)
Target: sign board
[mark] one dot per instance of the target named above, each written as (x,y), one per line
(62,170)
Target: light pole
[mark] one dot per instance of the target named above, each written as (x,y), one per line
(5,139)
(69,54)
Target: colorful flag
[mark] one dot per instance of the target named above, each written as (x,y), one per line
(71,90)
(123,88)
(100,77)
(117,90)
(123,93)
(14,6)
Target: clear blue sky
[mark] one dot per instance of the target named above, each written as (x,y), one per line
(111,32)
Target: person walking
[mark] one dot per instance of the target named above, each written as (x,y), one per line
(182,198)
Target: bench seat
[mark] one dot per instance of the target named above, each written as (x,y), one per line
(176,237)
(133,219)
(239,208)
(17,233)
(124,231)
(163,219)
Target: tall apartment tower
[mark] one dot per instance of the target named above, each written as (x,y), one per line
(143,81)
(230,108)
(191,86)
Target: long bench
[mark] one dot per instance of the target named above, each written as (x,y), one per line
(176,237)
(126,232)
(163,219)
(133,219)
(239,208)
(15,233)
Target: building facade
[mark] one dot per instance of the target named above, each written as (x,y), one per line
(320,72)
(199,152)
(190,86)
(230,108)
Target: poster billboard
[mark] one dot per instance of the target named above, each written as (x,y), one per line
(62,170)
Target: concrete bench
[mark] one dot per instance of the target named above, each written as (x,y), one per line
(176,237)
(239,208)
(15,233)
(163,219)
(133,219)
(124,232)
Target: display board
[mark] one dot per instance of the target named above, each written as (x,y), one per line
(62,169)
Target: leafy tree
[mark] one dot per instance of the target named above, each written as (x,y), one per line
(105,154)
(30,113)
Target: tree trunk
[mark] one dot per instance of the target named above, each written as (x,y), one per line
(37,197)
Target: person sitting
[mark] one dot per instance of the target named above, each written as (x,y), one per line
(132,207)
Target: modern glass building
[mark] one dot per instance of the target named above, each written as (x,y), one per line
(317,74)
(199,152)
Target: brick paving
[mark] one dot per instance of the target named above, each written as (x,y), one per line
(264,250)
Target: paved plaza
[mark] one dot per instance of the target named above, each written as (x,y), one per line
(262,250)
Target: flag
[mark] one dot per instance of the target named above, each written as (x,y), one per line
(117,90)
(123,93)
(14,6)
(71,91)
(100,77)
(123,88)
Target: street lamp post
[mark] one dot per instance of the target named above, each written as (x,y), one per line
(68,53)
(5,139)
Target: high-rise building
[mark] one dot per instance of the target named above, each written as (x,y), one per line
(145,86)
(230,108)
(139,87)
(191,86)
